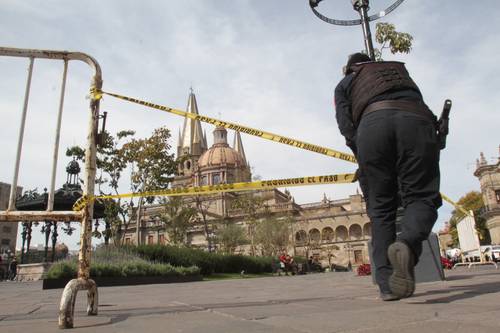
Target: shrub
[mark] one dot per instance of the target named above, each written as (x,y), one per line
(207,262)
(116,262)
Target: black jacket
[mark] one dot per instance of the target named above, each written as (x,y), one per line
(343,107)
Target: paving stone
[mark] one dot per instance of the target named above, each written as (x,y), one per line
(469,301)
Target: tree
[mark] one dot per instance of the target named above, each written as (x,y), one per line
(177,217)
(273,234)
(250,205)
(149,163)
(307,243)
(470,201)
(229,236)
(388,38)
(202,210)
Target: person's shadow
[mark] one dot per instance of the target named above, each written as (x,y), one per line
(469,291)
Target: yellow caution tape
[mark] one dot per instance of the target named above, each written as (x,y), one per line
(234,187)
(243,129)
(457,206)
(95,93)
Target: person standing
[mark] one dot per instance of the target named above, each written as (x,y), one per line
(391,131)
(13,269)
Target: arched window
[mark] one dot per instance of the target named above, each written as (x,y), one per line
(300,237)
(341,233)
(314,235)
(327,234)
(367,230)
(355,232)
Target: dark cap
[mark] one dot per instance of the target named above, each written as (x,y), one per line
(354,59)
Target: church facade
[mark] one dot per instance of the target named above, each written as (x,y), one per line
(489,181)
(333,231)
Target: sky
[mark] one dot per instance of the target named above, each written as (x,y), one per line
(270,65)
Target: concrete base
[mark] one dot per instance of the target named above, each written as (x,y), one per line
(32,272)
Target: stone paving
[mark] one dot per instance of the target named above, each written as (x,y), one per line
(469,301)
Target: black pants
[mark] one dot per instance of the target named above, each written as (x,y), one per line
(398,158)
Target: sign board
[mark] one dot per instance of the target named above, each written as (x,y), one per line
(467,235)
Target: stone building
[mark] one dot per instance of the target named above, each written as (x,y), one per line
(8,230)
(334,231)
(489,180)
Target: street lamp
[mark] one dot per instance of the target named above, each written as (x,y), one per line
(362,7)
(348,248)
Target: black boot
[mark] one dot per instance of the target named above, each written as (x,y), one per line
(402,280)
(389,297)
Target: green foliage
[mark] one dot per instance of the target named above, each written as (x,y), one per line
(273,234)
(153,166)
(209,263)
(470,201)
(177,217)
(149,162)
(64,269)
(76,152)
(118,262)
(229,236)
(251,206)
(388,38)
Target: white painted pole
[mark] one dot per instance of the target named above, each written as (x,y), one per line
(50,204)
(13,187)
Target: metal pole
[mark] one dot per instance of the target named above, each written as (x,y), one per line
(89,184)
(366,32)
(50,204)
(361,6)
(13,187)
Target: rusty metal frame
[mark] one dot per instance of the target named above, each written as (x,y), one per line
(83,282)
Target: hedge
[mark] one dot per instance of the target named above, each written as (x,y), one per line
(207,262)
(114,262)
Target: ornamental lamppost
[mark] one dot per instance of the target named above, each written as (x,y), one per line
(362,7)
(348,248)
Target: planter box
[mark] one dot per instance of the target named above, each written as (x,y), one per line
(124,281)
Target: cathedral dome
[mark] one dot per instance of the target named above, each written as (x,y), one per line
(220,153)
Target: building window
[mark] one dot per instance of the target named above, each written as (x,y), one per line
(216,178)
(127,241)
(5,241)
(7,229)
(150,239)
(358,257)
(161,239)
(204,180)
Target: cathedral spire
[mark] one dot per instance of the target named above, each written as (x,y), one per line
(238,146)
(179,141)
(192,133)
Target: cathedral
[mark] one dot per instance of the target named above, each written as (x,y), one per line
(332,231)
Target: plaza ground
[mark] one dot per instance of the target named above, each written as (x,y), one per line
(469,301)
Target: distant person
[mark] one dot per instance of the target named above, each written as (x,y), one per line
(310,263)
(13,269)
